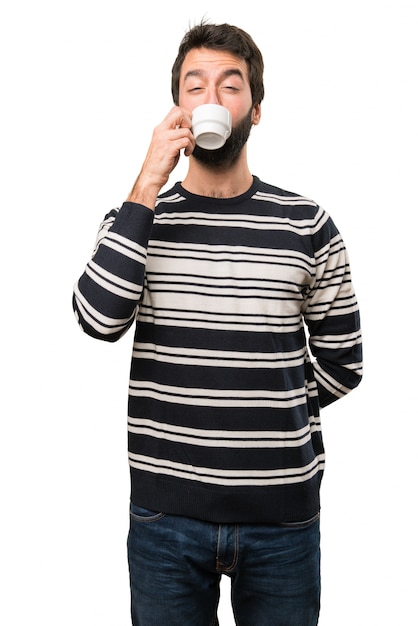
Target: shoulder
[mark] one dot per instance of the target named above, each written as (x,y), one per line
(295,205)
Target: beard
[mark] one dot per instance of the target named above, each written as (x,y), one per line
(230,151)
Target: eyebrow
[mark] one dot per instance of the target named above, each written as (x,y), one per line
(230,72)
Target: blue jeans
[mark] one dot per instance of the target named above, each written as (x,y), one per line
(176,563)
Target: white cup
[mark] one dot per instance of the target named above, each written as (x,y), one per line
(211,125)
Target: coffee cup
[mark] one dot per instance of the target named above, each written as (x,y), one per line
(211,125)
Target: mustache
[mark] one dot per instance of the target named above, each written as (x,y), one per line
(230,151)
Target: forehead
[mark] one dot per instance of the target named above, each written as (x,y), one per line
(209,62)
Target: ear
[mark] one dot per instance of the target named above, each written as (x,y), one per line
(256,115)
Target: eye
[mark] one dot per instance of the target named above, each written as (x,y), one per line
(230,88)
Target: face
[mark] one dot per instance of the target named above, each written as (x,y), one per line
(219,77)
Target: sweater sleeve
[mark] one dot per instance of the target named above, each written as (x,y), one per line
(332,316)
(107,294)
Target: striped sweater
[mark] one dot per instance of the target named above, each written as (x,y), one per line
(246,323)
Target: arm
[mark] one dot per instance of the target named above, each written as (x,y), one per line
(332,316)
(107,294)
(168,139)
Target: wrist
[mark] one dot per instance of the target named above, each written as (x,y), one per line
(145,194)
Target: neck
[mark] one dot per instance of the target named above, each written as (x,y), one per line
(228,182)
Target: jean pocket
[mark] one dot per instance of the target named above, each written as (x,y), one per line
(140,514)
(304,524)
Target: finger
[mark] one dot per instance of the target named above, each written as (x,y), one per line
(179,118)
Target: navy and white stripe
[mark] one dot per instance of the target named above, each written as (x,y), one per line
(224,394)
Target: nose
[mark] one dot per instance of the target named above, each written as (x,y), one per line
(212,96)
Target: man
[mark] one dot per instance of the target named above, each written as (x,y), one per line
(221,274)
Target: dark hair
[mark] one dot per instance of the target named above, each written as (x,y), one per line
(222,37)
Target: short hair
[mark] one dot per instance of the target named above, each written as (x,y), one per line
(222,37)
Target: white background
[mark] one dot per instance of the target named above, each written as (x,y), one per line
(83,84)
